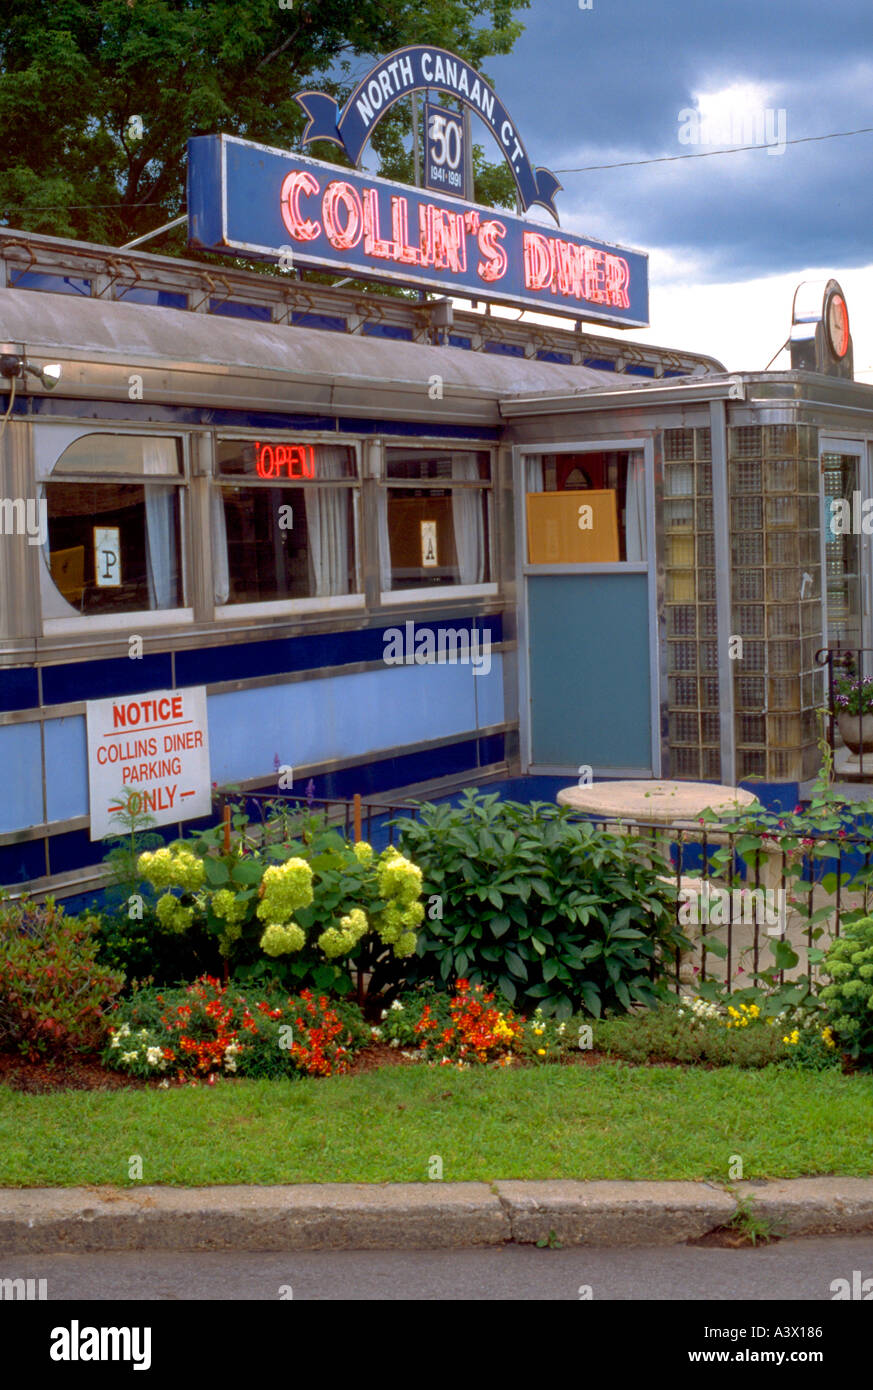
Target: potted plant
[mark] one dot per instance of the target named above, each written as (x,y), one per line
(853,706)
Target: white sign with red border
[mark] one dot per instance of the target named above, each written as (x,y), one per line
(148,754)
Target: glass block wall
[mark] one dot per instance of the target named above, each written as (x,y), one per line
(692,649)
(776,598)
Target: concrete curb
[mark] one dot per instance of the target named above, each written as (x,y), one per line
(812,1206)
(415,1216)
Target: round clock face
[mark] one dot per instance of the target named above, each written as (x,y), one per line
(837,324)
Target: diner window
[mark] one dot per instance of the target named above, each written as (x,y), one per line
(284,521)
(434,520)
(113,504)
(586,508)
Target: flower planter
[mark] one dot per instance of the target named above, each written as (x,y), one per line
(856,731)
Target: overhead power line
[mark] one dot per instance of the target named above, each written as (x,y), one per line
(710,154)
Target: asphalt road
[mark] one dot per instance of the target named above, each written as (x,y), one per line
(787,1270)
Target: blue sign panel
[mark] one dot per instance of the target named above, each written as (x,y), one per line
(444,162)
(248,198)
(415,69)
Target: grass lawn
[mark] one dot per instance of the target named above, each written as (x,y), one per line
(606,1121)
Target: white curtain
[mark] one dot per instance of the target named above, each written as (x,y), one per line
(534,478)
(327,526)
(160,457)
(467,519)
(220,567)
(635,510)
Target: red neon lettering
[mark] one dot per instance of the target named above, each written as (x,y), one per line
(297,182)
(374,244)
(493,267)
(617,281)
(449,243)
(537,261)
(595,275)
(342,194)
(403,252)
(290,460)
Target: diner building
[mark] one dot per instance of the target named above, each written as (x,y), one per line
(403,548)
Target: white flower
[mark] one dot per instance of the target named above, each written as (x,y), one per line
(229,1063)
(116,1041)
(129,1056)
(143,1032)
(376,1033)
(154,1056)
(395,1042)
(397,1005)
(384,1015)
(163,1085)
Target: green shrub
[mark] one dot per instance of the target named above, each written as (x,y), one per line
(53,990)
(551,910)
(140,948)
(849,997)
(319,907)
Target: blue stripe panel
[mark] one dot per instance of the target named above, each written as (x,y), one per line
(107,411)
(455,340)
(92,680)
(386,330)
(259,313)
(209,665)
(603,364)
(19,688)
(66,768)
(21,762)
(589,670)
(19,863)
(56,284)
(331,322)
(639,369)
(504,349)
(545,356)
(163,299)
(317,720)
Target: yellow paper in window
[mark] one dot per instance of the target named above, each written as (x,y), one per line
(429,545)
(577,527)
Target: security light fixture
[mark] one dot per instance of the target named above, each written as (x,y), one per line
(13,366)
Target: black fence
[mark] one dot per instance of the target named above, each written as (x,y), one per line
(798,892)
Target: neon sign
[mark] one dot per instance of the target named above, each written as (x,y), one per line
(263,202)
(285,460)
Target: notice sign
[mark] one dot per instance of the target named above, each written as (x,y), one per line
(148,754)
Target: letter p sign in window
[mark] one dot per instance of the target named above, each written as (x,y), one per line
(107,556)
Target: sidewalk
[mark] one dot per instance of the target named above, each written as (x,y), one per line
(401,1216)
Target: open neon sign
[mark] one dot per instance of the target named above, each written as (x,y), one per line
(285,460)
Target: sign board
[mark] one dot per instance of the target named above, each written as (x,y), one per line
(107,556)
(444,161)
(258,201)
(565,528)
(148,754)
(418,68)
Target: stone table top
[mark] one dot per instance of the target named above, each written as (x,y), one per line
(654,802)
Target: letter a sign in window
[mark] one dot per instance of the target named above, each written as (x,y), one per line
(429,545)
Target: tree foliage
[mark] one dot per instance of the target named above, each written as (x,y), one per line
(74,75)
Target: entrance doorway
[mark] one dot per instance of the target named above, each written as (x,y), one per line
(589,678)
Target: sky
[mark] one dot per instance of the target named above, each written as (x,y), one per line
(729,237)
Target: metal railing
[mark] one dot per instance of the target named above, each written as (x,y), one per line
(818,881)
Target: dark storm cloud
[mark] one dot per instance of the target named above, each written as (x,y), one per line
(604,85)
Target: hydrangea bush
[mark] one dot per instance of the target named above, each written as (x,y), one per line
(849,997)
(267,906)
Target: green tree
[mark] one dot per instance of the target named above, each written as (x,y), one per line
(98,97)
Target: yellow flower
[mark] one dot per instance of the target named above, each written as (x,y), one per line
(541,1052)
(732,1011)
(538,1031)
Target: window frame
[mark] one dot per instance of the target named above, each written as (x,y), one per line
(79,623)
(217,481)
(439,593)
